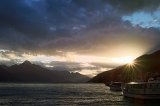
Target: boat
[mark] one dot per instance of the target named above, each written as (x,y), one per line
(115,86)
(142,90)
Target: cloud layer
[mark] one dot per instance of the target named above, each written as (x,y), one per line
(66,25)
(104,28)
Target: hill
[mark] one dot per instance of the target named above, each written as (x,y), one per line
(144,67)
(31,73)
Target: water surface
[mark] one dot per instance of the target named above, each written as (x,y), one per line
(65,95)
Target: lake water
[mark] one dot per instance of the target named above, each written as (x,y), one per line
(65,95)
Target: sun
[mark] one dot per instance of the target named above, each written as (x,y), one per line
(124,60)
(130,62)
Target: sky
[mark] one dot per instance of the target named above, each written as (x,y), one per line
(86,36)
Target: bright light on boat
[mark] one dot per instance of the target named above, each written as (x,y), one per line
(133,82)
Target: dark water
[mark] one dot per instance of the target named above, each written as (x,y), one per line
(65,95)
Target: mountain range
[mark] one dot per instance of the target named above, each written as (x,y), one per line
(31,73)
(142,69)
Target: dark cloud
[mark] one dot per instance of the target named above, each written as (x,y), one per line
(130,6)
(82,26)
(23,18)
(31,24)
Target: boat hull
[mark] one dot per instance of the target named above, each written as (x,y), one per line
(142,96)
(142,90)
(115,88)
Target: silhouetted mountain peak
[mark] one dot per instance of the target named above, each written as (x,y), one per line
(154,56)
(145,66)
(28,72)
(3,66)
(157,53)
(26,63)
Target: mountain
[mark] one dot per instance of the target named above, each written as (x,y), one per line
(31,73)
(3,66)
(5,76)
(144,67)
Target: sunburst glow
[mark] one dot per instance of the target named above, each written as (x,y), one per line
(131,62)
(124,60)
